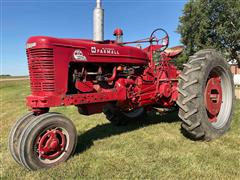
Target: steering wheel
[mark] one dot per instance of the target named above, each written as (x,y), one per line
(160,38)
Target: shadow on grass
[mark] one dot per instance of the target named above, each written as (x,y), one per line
(85,140)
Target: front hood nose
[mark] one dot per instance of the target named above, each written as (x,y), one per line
(40,40)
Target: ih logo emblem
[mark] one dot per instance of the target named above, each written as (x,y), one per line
(112,51)
(78,55)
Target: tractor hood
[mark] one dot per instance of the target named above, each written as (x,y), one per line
(90,51)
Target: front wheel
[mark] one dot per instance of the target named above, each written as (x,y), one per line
(46,141)
(15,133)
(206,96)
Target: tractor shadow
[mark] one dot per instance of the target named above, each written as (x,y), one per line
(85,140)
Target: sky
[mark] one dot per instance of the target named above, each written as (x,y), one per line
(73,19)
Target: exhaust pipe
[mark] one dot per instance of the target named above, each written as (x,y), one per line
(98,22)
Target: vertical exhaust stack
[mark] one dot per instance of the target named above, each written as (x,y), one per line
(98,22)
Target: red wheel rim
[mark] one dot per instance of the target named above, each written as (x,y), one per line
(213,97)
(51,144)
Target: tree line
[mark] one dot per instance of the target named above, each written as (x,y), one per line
(210,24)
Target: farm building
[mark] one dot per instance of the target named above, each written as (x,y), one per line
(236,78)
(236,74)
(235,69)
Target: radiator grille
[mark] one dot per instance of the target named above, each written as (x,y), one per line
(41,69)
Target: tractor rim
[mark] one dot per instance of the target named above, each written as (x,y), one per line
(218,97)
(52,144)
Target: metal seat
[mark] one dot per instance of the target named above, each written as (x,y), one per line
(174,51)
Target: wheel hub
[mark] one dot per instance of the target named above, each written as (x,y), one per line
(51,144)
(213,97)
(54,145)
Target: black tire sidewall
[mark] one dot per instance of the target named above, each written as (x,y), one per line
(119,118)
(15,134)
(27,144)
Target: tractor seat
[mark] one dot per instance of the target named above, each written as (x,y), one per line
(174,51)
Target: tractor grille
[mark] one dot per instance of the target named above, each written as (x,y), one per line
(41,69)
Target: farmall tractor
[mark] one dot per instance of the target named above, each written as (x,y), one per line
(121,81)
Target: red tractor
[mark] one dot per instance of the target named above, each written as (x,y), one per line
(121,81)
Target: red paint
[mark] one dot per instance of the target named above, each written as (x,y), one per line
(84,86)
(213,97)
(114,74)
(118,32)
(49,62)
(51,144)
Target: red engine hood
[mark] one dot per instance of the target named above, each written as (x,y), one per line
(106,51)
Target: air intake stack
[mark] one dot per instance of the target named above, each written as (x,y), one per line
(98,22)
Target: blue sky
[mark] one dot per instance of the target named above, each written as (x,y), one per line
(73,19)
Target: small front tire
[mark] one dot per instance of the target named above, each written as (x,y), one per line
(47,140)
(15,133)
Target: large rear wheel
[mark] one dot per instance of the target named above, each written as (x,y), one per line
(206,96)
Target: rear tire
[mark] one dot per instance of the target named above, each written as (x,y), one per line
(119,118)
(206,96)
(47,140)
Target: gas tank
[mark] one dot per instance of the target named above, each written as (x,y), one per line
(89,51)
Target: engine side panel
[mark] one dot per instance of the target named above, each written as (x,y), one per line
(49,61)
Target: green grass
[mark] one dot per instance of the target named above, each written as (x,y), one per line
(153,150)
(11,77)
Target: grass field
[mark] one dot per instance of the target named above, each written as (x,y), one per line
(155,149)
(11,77)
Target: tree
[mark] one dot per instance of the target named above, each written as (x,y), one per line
(211,24)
